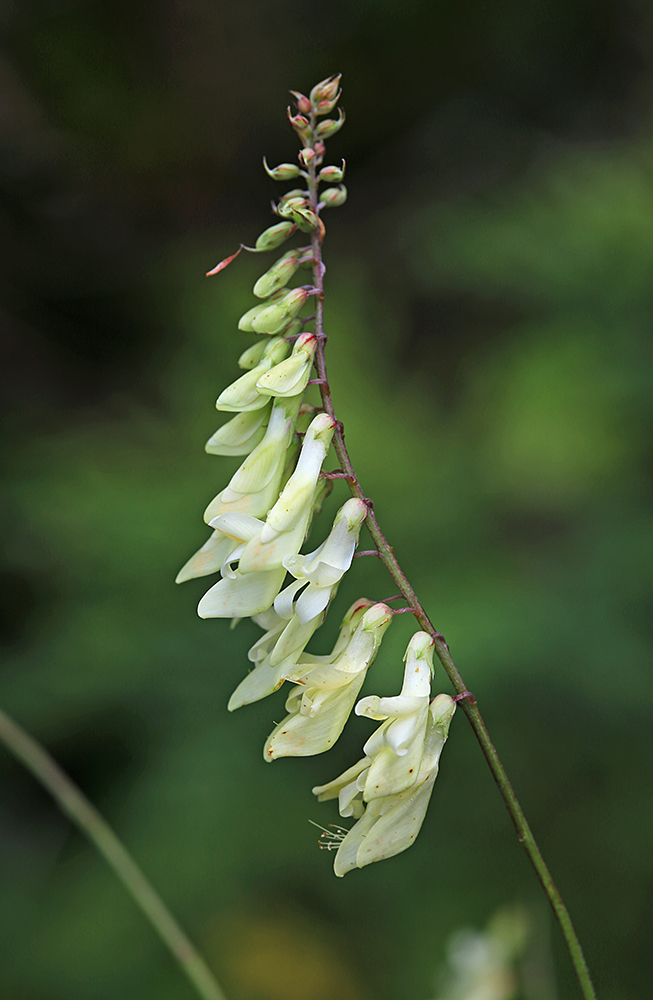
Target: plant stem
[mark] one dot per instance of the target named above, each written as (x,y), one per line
(87,819)
(469,704)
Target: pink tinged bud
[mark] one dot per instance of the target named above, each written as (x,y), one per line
(240,435)
(287,206)
(306,219)
(295,193)
(330,126)
(274,236)
(300,124)
(333,174)
(333,197)
(326,90)
(284,172)
(303,103)
(307,156)
(326,107)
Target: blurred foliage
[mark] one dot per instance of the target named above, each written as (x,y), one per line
(489,312)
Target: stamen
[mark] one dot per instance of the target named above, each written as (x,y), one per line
(330,840)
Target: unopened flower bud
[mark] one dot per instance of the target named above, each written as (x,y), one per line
(241,434)
(332,197)
(305,219)
(300,124)
(272,319)
(295,193)
(278,275)
(307,156)
(284,172)
(246,320)
(326,107)
(274,236)
(294,327)
(333,173)
(330,126)
(286,206)
(303,103)
(242,395)
(320,150)
(326,90)
(252,356)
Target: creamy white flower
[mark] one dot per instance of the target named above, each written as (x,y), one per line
(318,573)
(252,587)
(325,692)
(255,487)
(397,746)
(291,376)
(389,824)
(241,434)
(242,394)
(287,522)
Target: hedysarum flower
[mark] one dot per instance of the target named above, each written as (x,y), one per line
(291,376)
(255,487)
(252,587)
(389,824)
(242,394)
(318,572)
(287,522)
(396,748)
(322,701)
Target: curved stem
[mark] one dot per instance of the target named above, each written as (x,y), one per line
(469,704)
(87,819)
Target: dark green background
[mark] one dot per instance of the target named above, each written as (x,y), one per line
(490,294)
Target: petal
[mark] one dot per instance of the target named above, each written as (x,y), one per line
(332,789)
(312,602)
(283,603)
(240,435)
(259,683)
(249,594)
(209,558)
(240,527)
(397,828)
(305,735)
(346,858)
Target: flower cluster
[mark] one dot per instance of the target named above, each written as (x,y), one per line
(261,519)
(388,791)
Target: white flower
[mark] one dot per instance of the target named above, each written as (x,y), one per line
(389,824)
(397,746)
(255,486)
(281,648)
(291,376)
(242,394)
(287,522)
(319,572)
(241,434)
(252,587)
(322,701)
